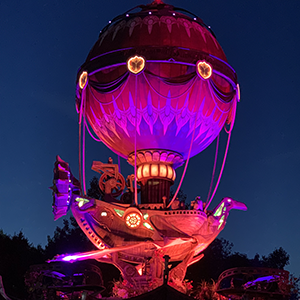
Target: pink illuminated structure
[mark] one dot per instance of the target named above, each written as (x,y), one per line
(156,89)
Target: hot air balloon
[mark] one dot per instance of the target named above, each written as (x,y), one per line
(156,88)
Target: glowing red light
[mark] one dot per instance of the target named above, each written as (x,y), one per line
(136,64)
(83,79)
(133,220)
(204,69)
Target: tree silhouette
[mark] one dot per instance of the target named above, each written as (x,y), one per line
(68,239)
(219,257)
(94,190)
(278,259)
(17,254)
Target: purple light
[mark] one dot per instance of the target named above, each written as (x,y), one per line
(78,256)
(71,257)
(270,278)
(60,275)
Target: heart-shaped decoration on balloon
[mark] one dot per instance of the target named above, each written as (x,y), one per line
(136,64)
(204,69)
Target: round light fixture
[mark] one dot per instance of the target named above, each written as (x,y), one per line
(136,64)
(204,69)
(133,220)
(83,79)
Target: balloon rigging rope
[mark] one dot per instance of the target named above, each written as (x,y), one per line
(80,116)
(81,105)
(82,126)
(114,99)
(79,149)
(218,98)
(89,131)
(135,146)
(214,168)
(166,97)
(226,151)
(83,150)
(233,115)
(187,160)
(221,172)
(119,163)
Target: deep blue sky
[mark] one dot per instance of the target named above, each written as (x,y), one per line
(43,43)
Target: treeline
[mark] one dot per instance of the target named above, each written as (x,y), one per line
(219,257)
(17,254)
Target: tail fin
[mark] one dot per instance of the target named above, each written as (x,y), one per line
(64,186)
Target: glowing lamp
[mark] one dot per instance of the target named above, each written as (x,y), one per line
(204,69)
(161,170)
(133,220)
(239,92)
(148,226)
(146,171)
(83,80)
(136,64)
(119,212)
(139,268)
(81,201)
(154,170)
(221,221)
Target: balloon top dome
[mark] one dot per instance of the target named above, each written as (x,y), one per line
(157,24)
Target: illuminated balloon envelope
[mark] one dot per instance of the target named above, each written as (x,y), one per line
(156,89)
(157,77)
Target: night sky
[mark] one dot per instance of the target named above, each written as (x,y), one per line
(42,45)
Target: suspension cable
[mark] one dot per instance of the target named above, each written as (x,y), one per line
(83,151)
(214,168)
(135,146)
(226,151)
(79,151)
(187,160)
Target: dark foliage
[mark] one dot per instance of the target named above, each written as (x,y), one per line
(213,263)
(278,259)
(71,239)
(94,190)
(182,196)
(219,257)
(17,254)
(68,239)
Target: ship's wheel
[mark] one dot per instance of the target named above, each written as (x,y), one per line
(112,185)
